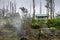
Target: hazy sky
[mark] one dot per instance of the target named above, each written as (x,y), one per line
(28,3)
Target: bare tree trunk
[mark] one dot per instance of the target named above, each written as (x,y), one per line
(33,8)
(51,11)
(52,4)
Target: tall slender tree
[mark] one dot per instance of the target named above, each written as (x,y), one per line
(40,7)
(3,8)
(33,8)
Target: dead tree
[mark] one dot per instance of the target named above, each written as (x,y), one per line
(33,8)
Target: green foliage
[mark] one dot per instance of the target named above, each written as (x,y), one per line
(53,23)
(36,23)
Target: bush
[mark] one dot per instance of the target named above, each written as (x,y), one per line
(53,23)
(36,23)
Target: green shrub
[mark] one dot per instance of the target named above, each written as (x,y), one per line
(53,23)
(36,23)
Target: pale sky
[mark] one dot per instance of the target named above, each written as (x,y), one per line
(28,3)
